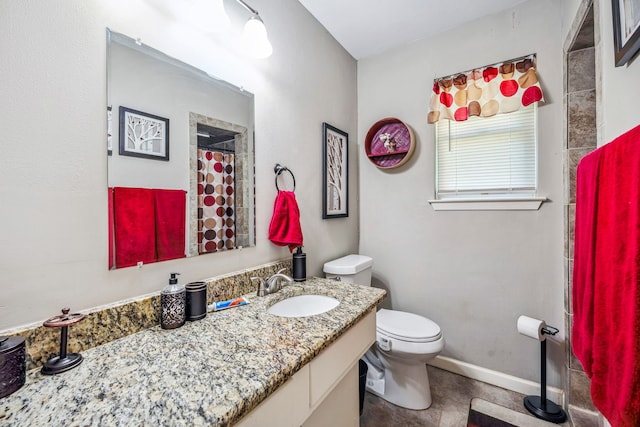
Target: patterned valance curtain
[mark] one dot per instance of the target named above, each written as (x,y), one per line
(500,88)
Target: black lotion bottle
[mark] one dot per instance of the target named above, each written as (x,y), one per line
(299,266)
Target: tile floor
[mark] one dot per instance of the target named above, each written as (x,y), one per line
(451,396)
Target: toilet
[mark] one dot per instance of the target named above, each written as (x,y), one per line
(404,343)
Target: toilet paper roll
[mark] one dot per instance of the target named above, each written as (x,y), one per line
(531,327)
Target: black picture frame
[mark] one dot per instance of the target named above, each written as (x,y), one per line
(109,131)
(135,125)
(626,31)
(335,172)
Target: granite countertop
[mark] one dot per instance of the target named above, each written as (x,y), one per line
(209,372)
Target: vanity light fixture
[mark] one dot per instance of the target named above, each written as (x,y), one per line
(254,39)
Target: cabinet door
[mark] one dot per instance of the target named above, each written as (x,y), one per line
(336,360)
(341,408)
(288,406)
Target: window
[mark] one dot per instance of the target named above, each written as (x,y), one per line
(487,158)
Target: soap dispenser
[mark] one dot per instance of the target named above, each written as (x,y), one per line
(299,265)
(173,300)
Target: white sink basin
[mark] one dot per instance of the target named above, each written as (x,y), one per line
(303,305)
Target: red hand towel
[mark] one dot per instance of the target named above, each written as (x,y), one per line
(607,335)
(284,229)
(170,215)
(134,226)
(112,261)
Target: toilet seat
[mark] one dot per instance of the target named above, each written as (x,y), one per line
(408,327)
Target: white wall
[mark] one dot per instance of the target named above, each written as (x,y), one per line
(473,273)
(53,168)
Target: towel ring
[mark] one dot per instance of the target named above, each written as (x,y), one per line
(278,169)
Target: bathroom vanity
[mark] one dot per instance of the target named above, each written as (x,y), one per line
(241,366)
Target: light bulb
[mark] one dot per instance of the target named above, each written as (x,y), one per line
(254,38)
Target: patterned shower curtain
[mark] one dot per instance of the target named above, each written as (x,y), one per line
(216,203)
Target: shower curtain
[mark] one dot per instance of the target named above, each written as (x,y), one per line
(216,201)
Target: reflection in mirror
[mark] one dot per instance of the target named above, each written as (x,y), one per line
(180,164)
(218,179)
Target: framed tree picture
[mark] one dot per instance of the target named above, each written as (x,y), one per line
(143,135)
(109,131)
(626,29)
(335,172)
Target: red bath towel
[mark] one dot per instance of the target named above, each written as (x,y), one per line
(584,257)
(134,227)
(170,215)
(284,229)
(606,277)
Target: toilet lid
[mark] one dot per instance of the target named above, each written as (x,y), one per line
(407,326)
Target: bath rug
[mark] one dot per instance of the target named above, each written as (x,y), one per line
(487,414)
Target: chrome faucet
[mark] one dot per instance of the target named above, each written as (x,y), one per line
(261,288)
(272,284)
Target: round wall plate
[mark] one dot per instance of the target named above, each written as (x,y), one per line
(389,143)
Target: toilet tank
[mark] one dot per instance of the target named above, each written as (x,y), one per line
(350,268)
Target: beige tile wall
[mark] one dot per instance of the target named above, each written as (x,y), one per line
(581,140)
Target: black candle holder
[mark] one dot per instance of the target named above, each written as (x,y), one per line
(64,361)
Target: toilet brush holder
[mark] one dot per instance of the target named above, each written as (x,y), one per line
(64,361)
(540,406)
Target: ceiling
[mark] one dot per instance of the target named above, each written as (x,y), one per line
(368,27)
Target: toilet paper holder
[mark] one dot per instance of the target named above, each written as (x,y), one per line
(540,406)
(550,330)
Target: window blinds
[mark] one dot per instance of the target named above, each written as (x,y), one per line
(487,157)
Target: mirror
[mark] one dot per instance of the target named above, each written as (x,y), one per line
(180,158)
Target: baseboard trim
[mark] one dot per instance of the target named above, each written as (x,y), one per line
(509,382)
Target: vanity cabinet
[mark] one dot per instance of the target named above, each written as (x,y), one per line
(287,406)
(324,389)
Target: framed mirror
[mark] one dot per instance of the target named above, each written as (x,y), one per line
(180,158)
